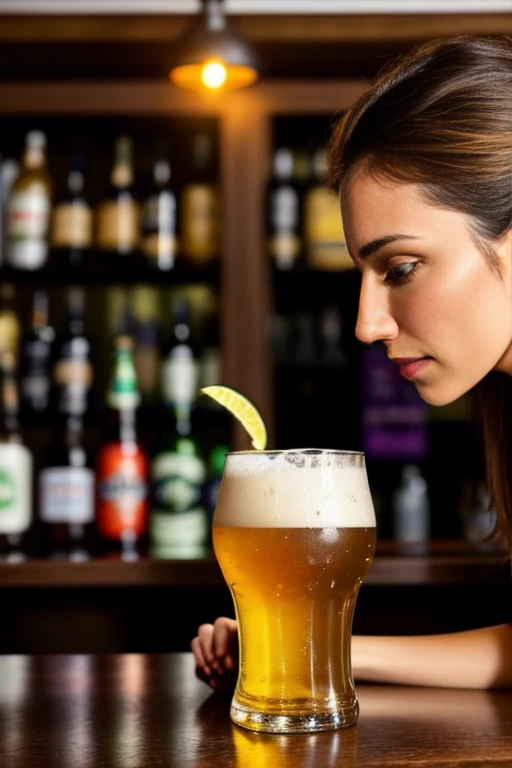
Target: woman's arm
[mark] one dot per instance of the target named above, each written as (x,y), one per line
(477,658)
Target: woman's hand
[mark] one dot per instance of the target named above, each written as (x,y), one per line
(215,651)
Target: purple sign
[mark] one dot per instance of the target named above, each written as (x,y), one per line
(394,417)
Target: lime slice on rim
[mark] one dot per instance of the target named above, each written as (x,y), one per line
(244,410)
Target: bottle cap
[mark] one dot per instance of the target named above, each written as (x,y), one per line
(36,139)
(283,163)
(161,172)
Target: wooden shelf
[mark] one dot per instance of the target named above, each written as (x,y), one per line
(444,565)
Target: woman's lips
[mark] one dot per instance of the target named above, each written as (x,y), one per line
(410,367)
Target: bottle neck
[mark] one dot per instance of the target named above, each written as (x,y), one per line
(75,183)
(123,394)
(75,324)
(127,425)
(183,419)
(122,171)
(122,175)
(72,430)
(9,408)
(40,313)
(34,158)
(75,313)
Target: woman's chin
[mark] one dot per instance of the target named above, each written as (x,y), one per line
(438,396)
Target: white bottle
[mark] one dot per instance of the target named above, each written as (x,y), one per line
(411,510)
(15,463)
(29,207)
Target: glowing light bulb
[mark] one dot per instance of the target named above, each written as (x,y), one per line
(213,74)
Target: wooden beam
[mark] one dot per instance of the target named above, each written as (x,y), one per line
(160,97)
(246,303)
(259,29)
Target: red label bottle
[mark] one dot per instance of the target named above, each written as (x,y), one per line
(122,468)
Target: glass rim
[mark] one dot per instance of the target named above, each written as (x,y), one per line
(297,451)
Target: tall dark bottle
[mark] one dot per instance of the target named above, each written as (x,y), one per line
(66,493)
(36,361)
(73,372)
(16,465)
(200,207)
(122,465)
(118,216)
(159,243)
(72,221)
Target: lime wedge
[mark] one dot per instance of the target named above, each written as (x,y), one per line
(244,411)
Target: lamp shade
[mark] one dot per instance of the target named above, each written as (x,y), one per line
(213,54)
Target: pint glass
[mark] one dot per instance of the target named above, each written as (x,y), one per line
(294,535)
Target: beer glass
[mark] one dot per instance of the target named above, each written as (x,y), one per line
(294,535)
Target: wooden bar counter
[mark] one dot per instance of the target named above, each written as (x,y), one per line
(138,710)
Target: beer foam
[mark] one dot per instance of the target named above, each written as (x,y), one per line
(295,489)
(255,462)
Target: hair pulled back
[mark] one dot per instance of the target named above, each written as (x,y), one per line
(441,117)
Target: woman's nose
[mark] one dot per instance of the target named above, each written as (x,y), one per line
(374,319)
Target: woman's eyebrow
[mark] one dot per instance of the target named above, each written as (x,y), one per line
(374,245)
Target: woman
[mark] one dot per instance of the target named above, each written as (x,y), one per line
(423,167)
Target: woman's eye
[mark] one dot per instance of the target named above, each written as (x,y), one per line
(401,272)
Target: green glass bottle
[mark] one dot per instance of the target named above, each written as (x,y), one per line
(178,525)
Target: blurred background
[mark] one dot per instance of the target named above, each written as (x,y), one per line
(164,227)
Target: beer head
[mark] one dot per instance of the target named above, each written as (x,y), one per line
(307,488)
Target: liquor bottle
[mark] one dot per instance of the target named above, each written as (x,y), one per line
(324,239)
(200,224)
(16,466)
(72,221)
(118,218)
(122,464)
(36,360)
(29,208)
(284,213)
(411,511)
(178,517)
(10,328)
(67,494)
(147,344)
(159,243)
(73,372)
(180,368)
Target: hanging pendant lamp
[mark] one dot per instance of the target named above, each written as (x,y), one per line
(212,55)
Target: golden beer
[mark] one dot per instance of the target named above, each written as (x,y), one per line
(294,535)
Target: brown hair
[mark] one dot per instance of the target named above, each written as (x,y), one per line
(441,117)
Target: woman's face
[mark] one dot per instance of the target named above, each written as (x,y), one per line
(428,293)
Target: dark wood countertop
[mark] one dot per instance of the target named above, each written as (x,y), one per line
(127,710)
